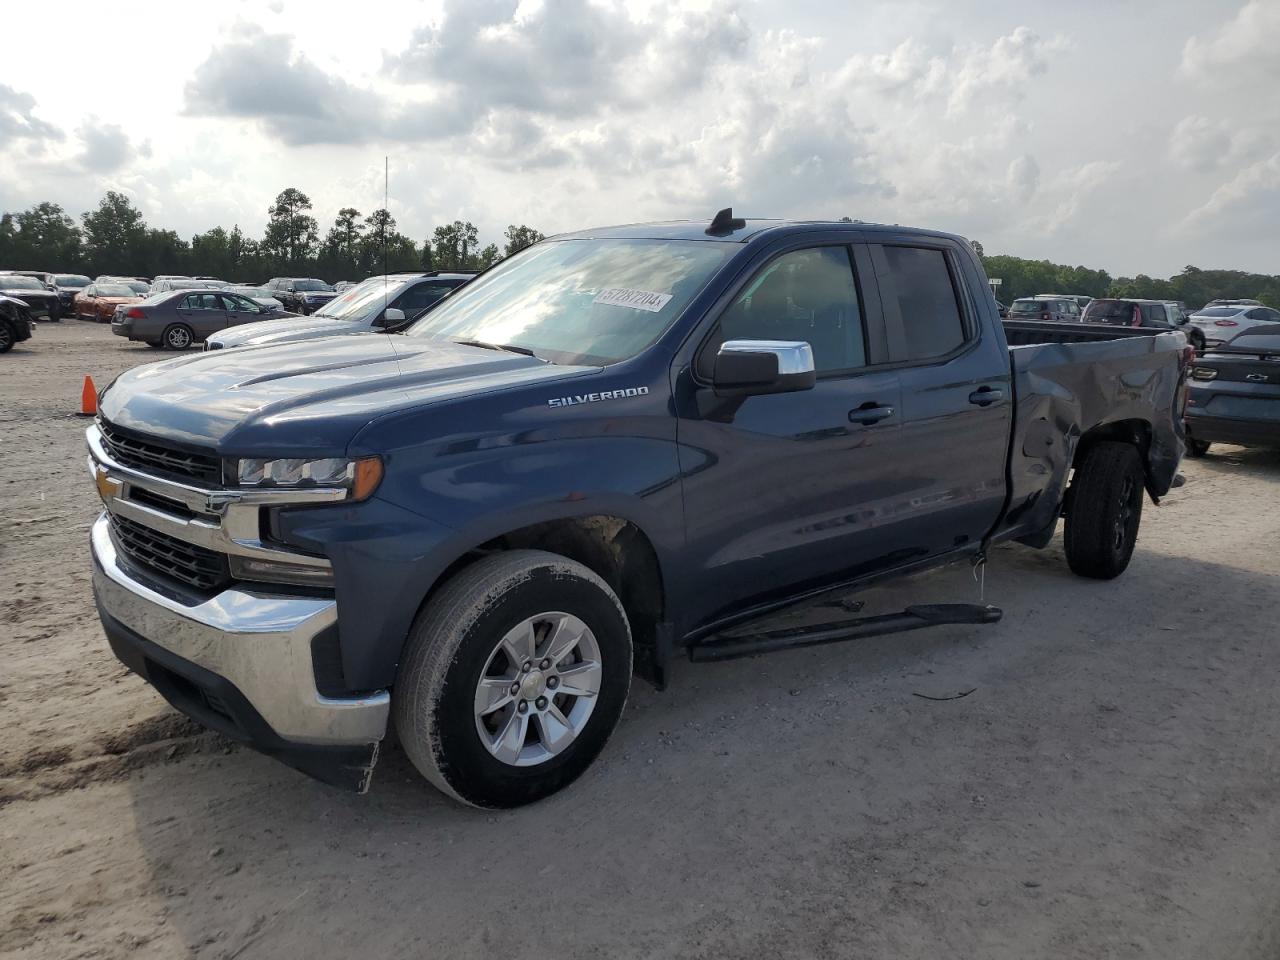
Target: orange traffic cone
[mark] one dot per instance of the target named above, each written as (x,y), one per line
(88,399)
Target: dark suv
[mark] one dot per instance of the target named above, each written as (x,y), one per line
(1053,308)
(1143,313)
(303,295)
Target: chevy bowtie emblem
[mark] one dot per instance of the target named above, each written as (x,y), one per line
(1257,378)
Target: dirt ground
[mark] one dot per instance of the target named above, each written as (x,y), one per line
(1107,789)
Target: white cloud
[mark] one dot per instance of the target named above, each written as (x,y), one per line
(1242,51)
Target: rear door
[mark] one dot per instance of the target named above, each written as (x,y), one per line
(203,312)
(956,392)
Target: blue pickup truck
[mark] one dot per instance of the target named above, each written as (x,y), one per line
(613,447)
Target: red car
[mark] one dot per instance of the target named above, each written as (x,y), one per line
(98,301)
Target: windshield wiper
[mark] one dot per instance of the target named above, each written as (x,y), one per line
(508,347)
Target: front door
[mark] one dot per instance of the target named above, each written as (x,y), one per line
(796,490)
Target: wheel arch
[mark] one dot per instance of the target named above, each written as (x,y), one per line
(613,547)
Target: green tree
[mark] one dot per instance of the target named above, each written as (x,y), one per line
(45,235)
(385,248)
(487,257)
(428,258)
(520,237)
(341,250)
(292,233)
(113,237)
(453,246)
(211,254)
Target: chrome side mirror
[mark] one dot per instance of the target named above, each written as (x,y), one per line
(750,367)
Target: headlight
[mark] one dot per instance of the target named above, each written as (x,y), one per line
(360,476)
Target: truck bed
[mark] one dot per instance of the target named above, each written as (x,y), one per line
(1075,382)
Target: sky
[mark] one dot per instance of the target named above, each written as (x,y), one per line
(1137,136)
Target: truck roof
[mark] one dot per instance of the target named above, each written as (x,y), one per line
(742,231)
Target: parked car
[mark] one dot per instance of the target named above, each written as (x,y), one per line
(1079,299)
(1234,303)
(1002,309)
(140,287)
(45,278)
(40,300)
(177,319)
(98,301)
(304,295)
(1234,392)
(66,286)
(342,286)
(1222,323)
(15,323)
(259,295)
(169,284)
(379,304)
(1052,308)
(1157,314)
(613,445)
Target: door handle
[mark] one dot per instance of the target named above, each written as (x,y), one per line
(870,413)
(985,396)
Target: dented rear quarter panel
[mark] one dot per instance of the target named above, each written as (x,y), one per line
(1065,390)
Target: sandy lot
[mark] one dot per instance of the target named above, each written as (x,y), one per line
(1108,789)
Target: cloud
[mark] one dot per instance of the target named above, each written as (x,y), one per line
(17,119)
(258,77)
(1023,178)
(1247,205)
(1004,69)
(1202,144)
(568,58)
(1242,51)
(106,147)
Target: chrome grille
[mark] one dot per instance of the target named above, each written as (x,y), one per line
(146,454)
(185,562)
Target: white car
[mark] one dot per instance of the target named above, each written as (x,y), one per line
(1220,324)
(259,295)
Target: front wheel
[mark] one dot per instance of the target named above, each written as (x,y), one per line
(1105,511)
(178,336)
(513,678)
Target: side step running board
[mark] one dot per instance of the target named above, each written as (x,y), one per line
(912,618)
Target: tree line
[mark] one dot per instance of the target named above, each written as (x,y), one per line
(115,239)
(1193,286)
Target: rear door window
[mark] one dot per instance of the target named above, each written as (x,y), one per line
(920,298)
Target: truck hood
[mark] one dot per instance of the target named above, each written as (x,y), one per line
(310,398)
(286,331)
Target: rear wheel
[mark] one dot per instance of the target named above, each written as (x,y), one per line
(7,339)
(513,678)
(1197,448)
(55,311)
(1105,512)
(1197,341)
(178,336)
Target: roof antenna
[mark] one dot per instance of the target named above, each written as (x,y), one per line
(724,223)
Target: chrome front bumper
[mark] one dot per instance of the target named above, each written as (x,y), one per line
(260,641)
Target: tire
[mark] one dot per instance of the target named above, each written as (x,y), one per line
(55,312)
(7,339)
(458,639)
(1198,342)
(1197,448)
(1105,512)
(177,336)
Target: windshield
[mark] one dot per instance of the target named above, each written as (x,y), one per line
(306,285)
(70,280)
(579,301)
(20,283)
(1221,312)
(115,290)
(1028,306)
(355,304)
